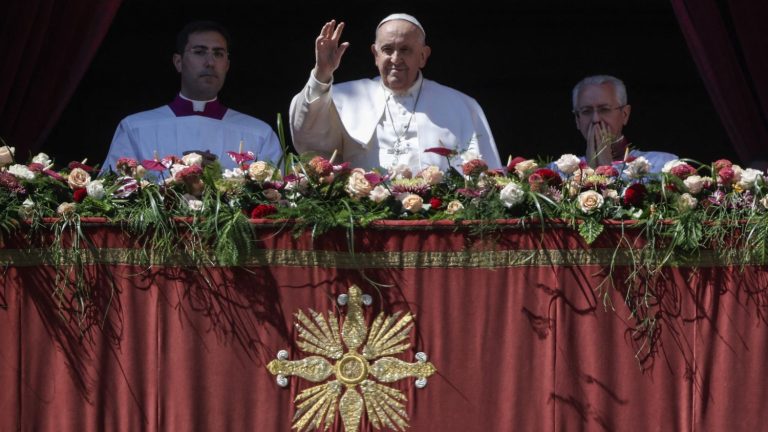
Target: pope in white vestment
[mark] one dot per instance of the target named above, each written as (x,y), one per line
(175,128)
(388,121)
(353,116)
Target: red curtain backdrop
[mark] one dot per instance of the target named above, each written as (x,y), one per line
(45,48)
(729,43)
(520,334)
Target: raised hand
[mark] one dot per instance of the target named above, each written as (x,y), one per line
(328,51)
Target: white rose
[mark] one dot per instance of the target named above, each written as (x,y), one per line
(43,159)
(95,189)
(78,178)
(432,175)
(525,167)
(192,159)
(749,177)
(611,194)
(568,163)
(260,171)
(454,207)
(589,201)
(401,171)
(21,171)
(512,195)
(412,202)
(737,173)
(694,184)
(638,168)
(379,194)
(764,202)
(235,173)
(357,185)
(193,203)
(687,201)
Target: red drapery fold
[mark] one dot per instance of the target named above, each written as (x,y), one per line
(519,342)
(729,41)
(45,48)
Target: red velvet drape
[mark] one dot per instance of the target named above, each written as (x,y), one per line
(729,43)
(522,341)
(45,48)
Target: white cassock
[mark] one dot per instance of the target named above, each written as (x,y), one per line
(372,127)
(175,128)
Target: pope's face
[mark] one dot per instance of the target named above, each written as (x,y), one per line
(599,104)
(400,53)
(203,65)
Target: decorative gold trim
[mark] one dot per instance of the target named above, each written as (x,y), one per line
(355,377)
(370,260)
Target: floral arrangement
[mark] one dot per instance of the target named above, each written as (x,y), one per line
(685,207)
(317,192)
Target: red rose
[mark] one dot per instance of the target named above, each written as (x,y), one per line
(262,211)
(550,177)
(475,167)
(634,194)
(435,203)
(513,162)
(80,194)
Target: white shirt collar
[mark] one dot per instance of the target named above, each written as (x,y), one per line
(197,106)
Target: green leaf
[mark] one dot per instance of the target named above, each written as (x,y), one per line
(590,229)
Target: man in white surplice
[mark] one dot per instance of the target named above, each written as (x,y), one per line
(388,121)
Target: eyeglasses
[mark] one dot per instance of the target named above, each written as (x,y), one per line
(602,110)
(202,53)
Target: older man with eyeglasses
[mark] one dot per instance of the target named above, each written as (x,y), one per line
(601,111)
(195,120)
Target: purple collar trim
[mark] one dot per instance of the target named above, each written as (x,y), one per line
(182,108)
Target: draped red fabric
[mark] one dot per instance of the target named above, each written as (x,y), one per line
(520,340)
(728,41)
(45,48)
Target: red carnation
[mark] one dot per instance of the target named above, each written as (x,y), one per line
(435,203)
(722,163)
(634,194)
(607,171)
(682,171)
(320,166)
(725,175)
(262,211)
(80,194)
(475,167)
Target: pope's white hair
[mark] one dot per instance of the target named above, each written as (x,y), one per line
(404,17)
(618,85)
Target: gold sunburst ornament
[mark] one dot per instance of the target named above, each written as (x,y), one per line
(356,377)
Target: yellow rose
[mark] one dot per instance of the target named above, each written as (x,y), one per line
(590,201)
(78,178)
(454,207)
(412,203)
(260,171)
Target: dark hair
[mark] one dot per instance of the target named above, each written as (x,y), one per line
(198,27)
